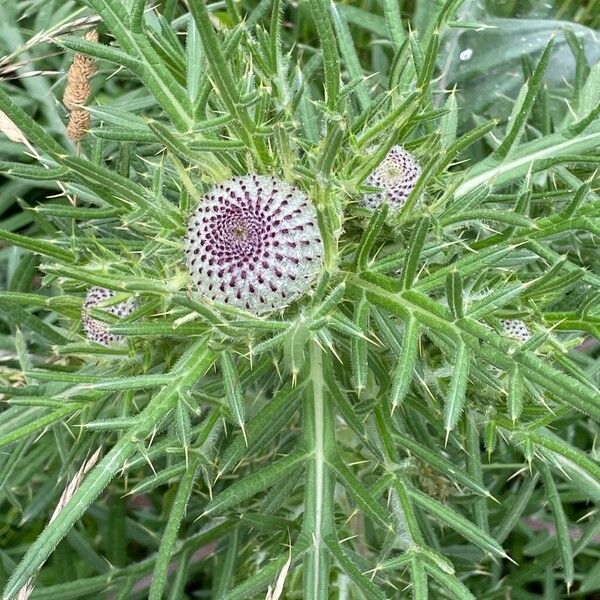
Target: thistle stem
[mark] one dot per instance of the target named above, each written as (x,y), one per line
(318,496)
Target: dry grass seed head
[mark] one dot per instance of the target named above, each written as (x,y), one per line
(78,90)
(79,124)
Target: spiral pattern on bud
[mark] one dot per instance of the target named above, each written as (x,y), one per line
(515,329)
(254,243)
(98,331)
(397,175)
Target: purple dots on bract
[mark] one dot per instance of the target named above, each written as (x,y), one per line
(238,239)
(98,331)
(515,329)
(397,176)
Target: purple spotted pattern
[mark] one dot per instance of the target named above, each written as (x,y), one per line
(397,176)
(515,329)
(253,242)
(95,330)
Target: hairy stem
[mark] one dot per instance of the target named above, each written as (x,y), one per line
(318,495)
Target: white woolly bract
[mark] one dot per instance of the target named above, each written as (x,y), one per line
(254,243)
(397,176)
(95,330)
(515,329)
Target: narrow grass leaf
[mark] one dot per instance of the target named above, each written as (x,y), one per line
(393,23)
(349,55)
(327,43)
(517,508)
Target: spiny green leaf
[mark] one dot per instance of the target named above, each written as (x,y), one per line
(457,522)
(233,391)
(454,403)
(370,236)
(415,247)
(263,426)
(190,367)
(560,522)
(363,582)
(254,483)
(454,293)
(43,247)
(169,538)
(359,349)
(403,372)
(515,395)
(436,459)
(524,105)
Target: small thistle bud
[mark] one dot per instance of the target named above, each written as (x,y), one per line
(397,175)
(98,331)
(515,329)
(253,243)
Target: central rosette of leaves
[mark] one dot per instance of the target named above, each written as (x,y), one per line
(253,242)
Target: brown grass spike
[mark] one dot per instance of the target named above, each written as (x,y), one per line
(78,91)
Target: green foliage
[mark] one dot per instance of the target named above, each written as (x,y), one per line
(382,437)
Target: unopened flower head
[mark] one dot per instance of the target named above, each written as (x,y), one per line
(254,243)
(515,329)
(98,331)
(397,176)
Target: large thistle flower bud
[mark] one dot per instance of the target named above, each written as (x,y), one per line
(254,243)
(98,331)
(515,329)
(397,176)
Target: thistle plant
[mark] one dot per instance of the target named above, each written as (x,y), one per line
(395,178)
(95,330)
(254,243)
(320,338)
(516,329)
